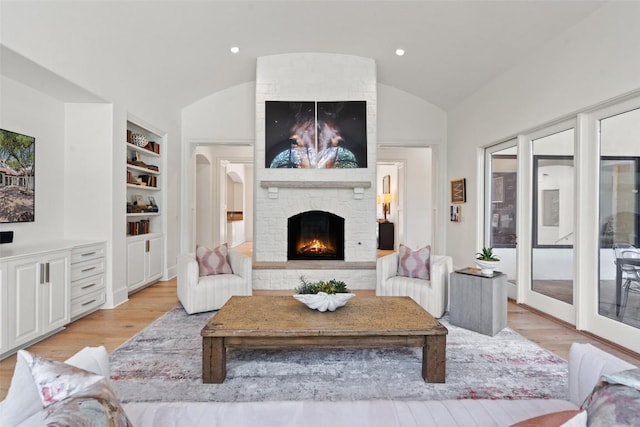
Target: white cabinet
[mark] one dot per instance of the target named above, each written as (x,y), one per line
(56,291)
(88,266)
(235,233)
(43,287)
(145,260)
(154,259)
(38,298)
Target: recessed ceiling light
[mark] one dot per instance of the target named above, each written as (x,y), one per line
(235,49)
(399,52)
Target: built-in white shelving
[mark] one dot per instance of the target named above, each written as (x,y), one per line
(145,229)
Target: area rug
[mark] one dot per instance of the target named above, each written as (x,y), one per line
(164,363)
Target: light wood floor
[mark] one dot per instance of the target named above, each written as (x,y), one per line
(113,327)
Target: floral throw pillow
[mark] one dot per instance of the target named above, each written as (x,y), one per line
(416,264)
(213,261)
(615,400)
(72,396)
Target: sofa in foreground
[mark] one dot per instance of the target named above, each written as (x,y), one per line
(596,379)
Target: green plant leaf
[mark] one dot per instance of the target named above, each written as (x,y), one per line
(487,255)
(332,286)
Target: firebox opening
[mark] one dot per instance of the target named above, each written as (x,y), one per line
(315,235)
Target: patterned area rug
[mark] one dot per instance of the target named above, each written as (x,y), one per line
(163,363)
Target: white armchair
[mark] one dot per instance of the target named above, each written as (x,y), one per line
(430,294)
(206,293)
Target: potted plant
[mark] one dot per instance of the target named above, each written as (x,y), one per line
(323,295)
(487,261)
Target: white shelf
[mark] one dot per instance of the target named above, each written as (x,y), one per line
(143,214)
(143,187)
(143,236)
(141,169)
(141,150)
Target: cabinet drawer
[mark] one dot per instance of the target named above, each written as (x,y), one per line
(87,303)
(85,269)
(87,252)
(87,285)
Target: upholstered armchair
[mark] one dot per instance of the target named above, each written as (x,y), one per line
(206,293)
(430,294)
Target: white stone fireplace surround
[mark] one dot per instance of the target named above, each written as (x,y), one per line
(282,193)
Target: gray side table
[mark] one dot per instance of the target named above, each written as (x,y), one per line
(478,303)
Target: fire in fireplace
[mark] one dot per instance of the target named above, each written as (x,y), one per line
(315,235)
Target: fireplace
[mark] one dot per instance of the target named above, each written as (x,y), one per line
(315,235)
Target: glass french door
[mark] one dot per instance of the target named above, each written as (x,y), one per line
(547,282)
(617,317)
(501,190)
(575,252)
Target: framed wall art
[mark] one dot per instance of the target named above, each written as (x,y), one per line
(455,213)
(316,135)
(17,177)
(458,191)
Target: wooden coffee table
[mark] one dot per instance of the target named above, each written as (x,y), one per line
(280,322)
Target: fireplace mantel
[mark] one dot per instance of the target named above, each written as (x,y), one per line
(315,184)
(357,186)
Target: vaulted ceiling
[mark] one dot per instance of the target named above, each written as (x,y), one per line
(178,51)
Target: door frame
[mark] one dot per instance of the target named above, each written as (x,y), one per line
(588,273)
(551,306)
(485,217)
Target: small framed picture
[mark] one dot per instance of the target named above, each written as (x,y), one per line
(152,201)
(139,200)
(455,213)
(458,191)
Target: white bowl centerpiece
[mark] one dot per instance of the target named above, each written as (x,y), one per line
(323,296)
(487,261)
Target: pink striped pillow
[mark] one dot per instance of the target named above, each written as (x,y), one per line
(213,261)
(415,264)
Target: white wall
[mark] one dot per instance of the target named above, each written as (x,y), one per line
(203,202)
(214,154)
(87,175)
(89,187)
(590,63)
(621,135)
(403,120)
(414,186)
(227,116)
(248,202)
(406,120)
(25,110)
(235,186)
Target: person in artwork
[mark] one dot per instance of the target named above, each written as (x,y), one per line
(302,153)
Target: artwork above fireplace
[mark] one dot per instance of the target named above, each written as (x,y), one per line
(315,235)
(316,135)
